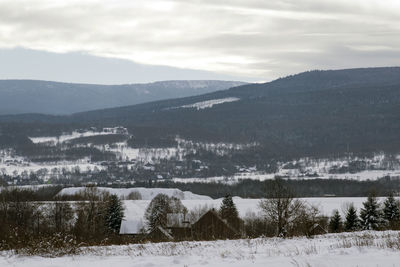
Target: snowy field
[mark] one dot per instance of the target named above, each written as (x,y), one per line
(123,151)
(290,174)
(34,167)
(366,249)
(75,134)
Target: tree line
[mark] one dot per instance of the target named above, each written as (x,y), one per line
(31,225)
(249,188)
(284,215)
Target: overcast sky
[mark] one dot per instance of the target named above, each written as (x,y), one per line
(253,40)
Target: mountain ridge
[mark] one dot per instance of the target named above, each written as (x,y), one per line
(48,97)
(313,113)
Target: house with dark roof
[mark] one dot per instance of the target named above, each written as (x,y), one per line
(178,224)
(209,226)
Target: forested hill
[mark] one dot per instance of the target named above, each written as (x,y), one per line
(311,113)
(30,96)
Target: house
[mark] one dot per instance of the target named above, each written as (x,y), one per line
(317,229)
(179,226)
(159,234)
(212,226)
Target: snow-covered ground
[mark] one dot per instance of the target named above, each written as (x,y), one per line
(124,152)
(75,134)
(366,249)
(374,167)
(290,174)
(33,167)
(135,209)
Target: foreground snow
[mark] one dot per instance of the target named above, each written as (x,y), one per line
(347,249)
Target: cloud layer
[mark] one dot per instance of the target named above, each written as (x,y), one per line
(253,38)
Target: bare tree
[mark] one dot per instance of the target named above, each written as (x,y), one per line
(159,207)
(280,207)
(61,215)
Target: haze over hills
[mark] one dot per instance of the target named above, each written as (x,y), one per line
(33,96)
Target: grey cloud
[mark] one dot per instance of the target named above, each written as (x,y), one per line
(256,38)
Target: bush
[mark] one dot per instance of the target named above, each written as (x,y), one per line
(52,246)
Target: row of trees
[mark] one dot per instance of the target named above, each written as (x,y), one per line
(97,219)
(284,215)
(25,223)
(372,216)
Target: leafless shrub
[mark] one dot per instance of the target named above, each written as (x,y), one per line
(53,246)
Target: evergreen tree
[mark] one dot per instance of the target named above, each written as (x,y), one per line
(370,214)
(335,224)
(114,214)
(228,211)
(391,212)
(352,221)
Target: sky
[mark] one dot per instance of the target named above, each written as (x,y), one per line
(118,41)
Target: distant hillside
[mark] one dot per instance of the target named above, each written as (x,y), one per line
(312,113)
(30,96)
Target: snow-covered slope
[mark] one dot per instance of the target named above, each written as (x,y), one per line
(75,134)
(211,103)
(146,193)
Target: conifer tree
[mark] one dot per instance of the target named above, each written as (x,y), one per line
(335,224)
(352,221)
(370,214)
(391,212)
(228,211)
(114,214)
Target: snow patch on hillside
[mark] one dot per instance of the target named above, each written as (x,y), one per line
(14,165)
(77,134)
(210,103)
